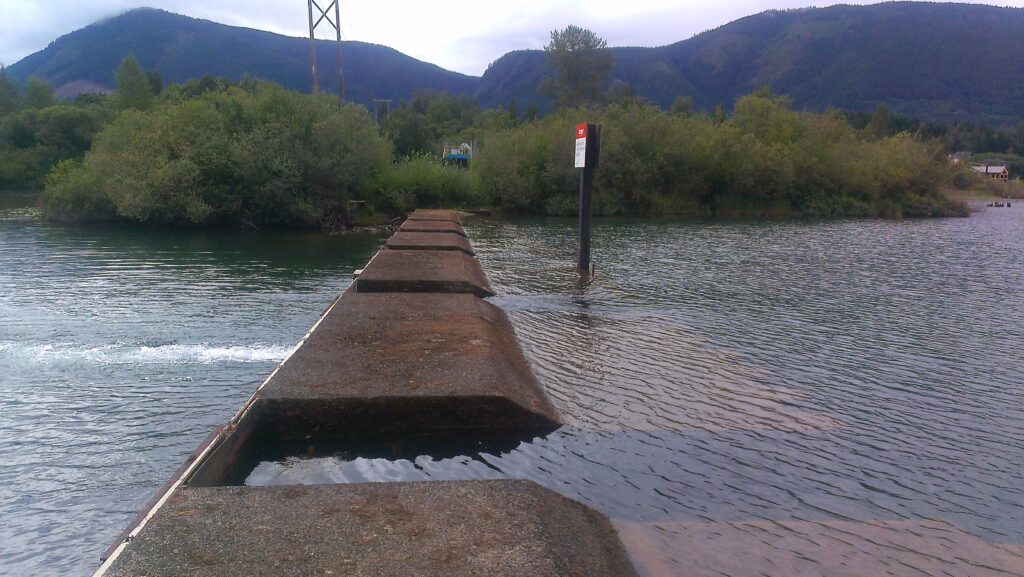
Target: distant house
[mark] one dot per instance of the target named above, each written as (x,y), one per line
(958,157)
(1000,173)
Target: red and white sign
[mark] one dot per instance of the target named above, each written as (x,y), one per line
(581,145)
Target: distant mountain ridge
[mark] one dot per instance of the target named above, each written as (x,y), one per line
(182,48)
(934,61)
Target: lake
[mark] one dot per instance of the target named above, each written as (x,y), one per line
(789,398)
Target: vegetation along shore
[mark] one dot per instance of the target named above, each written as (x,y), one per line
(252,154)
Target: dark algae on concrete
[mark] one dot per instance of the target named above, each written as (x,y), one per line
(411,350)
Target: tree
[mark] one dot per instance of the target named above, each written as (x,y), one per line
(879,126)
(532,113)
(409,131)
(134,90)
(513,112)
(9,93)
(38,93)
(682,106)
(156,82)
(581,62)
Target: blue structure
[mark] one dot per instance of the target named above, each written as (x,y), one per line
(460,155)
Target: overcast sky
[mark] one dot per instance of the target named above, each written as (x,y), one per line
(466,38)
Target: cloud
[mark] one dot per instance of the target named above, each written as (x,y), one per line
(465,41)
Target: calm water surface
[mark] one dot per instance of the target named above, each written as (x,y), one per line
(742,399)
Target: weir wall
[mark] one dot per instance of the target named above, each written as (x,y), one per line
(412,350)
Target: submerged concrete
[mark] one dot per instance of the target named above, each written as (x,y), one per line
(424,271)
(406,362)
(432,226)
(410,351)
(435,214)
(429,241)
(470,528)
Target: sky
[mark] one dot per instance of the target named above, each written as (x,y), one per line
(465,39)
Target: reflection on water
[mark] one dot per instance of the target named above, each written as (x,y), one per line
(742,399)
(778,399)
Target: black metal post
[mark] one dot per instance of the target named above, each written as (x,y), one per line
(587,195)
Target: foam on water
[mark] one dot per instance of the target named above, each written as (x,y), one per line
(120,353)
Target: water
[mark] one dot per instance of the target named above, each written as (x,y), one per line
(120,350)
(742,399)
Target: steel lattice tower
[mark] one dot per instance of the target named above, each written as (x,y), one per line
(325,17)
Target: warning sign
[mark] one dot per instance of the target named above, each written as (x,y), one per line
(581,145)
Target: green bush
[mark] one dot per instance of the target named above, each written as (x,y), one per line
(33,140)
(252,158)
(421,180)
(764,161)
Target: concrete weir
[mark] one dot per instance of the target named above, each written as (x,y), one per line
(491,528)
(430,241)
(432,226)
(410,350)
(420,271)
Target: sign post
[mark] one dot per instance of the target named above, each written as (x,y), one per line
(588,148)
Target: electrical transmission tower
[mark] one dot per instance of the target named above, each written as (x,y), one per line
(325,17)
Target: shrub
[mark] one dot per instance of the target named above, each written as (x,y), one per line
(250,158)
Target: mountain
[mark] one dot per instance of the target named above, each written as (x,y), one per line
(182,48)
(930,60)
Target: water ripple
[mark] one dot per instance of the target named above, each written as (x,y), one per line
(768,399)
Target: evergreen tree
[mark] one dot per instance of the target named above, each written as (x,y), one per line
(581,62)
(880,123)
(156,82)
(9,93)
(532,113)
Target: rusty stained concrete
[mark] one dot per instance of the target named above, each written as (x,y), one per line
(435,214)
(442,529)
(429,241)
(407,361)
(432,226)
(424,271)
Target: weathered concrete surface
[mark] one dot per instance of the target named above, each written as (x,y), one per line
(429,241)
(424,271)
(435,214)
(406,362)
(442,529)
(432,226)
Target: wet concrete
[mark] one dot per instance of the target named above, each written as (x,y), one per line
(424,271)
(410,351)
(416,362)
(432,226)
(429,241)
(469,528)
(827,548)
(435,214)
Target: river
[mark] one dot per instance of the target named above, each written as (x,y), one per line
(796,398)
